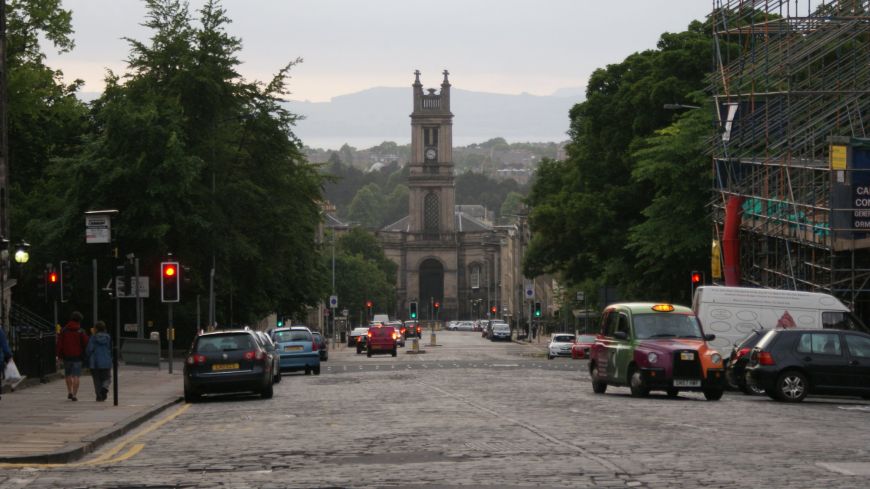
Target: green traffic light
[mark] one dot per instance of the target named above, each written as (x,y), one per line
(413,315)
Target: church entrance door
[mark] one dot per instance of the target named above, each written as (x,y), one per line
(431,286)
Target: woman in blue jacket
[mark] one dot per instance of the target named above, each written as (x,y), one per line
(99,355)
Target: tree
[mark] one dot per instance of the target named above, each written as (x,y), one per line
(363,272)
(512,204)
(202,164)
(367,207)
(583,209)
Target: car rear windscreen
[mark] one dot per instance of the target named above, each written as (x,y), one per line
(224,342)
(565,338)
(287,336)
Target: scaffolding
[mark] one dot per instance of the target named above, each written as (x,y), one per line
(790,86)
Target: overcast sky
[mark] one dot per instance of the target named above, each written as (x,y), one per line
(502,46)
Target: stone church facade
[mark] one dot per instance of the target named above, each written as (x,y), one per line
(446,253)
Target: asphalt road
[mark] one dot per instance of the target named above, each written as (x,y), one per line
(470,413)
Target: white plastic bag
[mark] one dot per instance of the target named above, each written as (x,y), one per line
(11,376)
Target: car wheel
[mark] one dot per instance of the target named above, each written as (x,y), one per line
(598,386)
(307,371)
(791,386)
(358,350)
(277,377)
(268,392)
(713,394)
(316,370)
(549,356)
(369,353)
(635,382)
(394,352)
(673,392)
(190,396)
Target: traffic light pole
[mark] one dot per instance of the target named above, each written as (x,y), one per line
(117,345)
(170,335)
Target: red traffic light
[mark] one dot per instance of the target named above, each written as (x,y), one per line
(169,270)
(437,305)
(52,277)
(368,304)
(696,277)
(493,309)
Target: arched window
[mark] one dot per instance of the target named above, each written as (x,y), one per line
(475,276)
(431,209)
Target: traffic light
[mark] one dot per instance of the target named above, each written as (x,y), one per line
(52,283)
(697,278)
(42,285)
(493,309)
(66,280)
(537,309)
(412,310)
(170,290)
(437,305)
(280,322)
(369,304)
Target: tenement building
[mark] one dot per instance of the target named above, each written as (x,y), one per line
(449,255)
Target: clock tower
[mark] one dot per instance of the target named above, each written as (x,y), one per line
(431,185)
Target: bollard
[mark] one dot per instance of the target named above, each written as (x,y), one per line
(416,345)
(432,339)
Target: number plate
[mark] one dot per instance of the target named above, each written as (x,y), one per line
(225,366)
(687,383)
(687,355)
(292,348)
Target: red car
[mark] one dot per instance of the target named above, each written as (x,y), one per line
(580,348)
(382,339)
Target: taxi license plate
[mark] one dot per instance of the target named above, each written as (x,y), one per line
(687,383)
(225,366)
(292,348)
(687,355)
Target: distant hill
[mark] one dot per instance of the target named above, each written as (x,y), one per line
(366,118)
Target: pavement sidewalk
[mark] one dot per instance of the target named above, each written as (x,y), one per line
(40,425)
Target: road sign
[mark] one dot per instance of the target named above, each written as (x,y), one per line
(333,301)
(98,229)
(581,296)
(530,291)
(142,284)
(344,312)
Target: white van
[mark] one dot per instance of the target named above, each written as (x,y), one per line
(381,318)
(733,312)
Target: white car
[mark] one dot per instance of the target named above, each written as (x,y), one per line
(560,345)
(356,333)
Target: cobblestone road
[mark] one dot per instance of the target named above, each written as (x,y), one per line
(470,413)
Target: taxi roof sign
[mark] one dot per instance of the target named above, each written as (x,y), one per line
(663,308)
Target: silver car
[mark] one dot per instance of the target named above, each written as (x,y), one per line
(560,345)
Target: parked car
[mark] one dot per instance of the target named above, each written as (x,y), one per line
(322,346)
(298,350)
(227,361)
(791,364)
(735,367)
(648,346)
(500,332)
(413,328)
(267,343)
(353,339)
(560,345)
(582,346)
(382,339)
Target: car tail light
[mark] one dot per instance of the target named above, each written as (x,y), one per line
(765,358)
(418,329)
(314,346)
(742,352)
(196,359)
(254,354)
(395,336)
(369,334)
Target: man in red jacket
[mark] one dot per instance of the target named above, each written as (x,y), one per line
(71,343)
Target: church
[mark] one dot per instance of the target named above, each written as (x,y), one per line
(453,261)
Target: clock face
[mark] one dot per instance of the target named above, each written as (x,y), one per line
(430,154)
